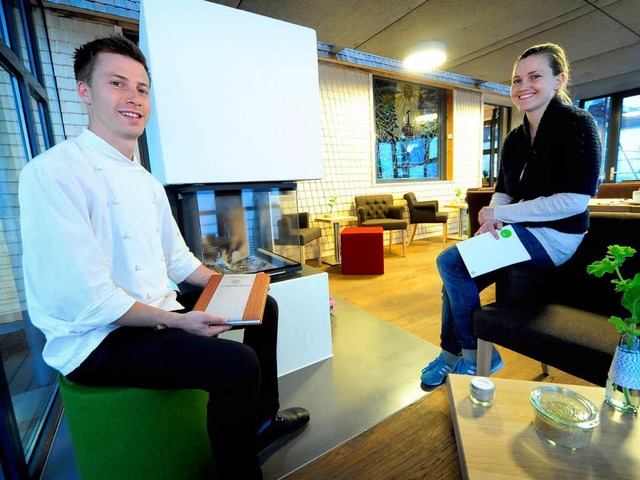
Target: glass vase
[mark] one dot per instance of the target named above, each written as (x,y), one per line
(623,383)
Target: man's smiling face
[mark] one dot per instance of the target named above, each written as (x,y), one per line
(117,99)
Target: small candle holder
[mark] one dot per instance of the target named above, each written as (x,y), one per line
(482,391)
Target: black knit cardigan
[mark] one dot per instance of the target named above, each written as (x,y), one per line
(565,157)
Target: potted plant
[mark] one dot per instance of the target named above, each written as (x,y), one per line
(458,193)
(333,201)
(485,178)
(623,383)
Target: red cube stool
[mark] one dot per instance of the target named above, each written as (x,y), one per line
(362,251)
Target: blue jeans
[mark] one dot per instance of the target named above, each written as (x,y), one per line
(461,293)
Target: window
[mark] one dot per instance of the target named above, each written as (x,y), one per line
(628,165)
(618,120)
(410,128)
(28,398)
(496,120)
(600,109)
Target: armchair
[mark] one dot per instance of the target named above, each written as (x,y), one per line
(379,211)
(623,189)
(293,225)
(476,199)
(425,212)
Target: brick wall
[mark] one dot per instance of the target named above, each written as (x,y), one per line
(65,35)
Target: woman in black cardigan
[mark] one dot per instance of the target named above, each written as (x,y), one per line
(549,169)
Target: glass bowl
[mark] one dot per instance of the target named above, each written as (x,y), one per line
(564,417)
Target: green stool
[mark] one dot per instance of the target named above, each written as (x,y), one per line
(138,434)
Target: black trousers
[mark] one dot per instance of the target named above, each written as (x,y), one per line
(240,377)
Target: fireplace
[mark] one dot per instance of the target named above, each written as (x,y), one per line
(233,228)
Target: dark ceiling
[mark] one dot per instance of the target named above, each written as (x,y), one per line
(483,37)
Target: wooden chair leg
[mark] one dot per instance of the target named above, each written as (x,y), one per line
(444,234)
(404,242)
(390,238)
(319,247)
(485,351)
(303,254)
(414,228)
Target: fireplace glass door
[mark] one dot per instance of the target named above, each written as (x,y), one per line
(234,228)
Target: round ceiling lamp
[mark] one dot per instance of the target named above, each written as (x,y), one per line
(425,56)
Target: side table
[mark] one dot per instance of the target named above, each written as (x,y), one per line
(501,441)
(462,209)
(335,221)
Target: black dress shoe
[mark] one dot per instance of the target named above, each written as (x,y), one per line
(286,423)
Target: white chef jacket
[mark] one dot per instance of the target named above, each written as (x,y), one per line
(97,235)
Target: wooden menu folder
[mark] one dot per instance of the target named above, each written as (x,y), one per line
(240,298)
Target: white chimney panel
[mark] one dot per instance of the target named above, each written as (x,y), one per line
(235,95)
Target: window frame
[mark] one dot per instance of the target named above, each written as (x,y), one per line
(26,84)
(443,107)
(613,129)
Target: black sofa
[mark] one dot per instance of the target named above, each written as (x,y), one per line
(559,316)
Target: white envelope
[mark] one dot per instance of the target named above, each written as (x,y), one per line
(485,253)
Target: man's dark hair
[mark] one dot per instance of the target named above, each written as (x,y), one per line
(84,59)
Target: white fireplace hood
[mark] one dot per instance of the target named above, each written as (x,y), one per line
(235,95)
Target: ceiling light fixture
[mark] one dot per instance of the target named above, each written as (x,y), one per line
(425,56)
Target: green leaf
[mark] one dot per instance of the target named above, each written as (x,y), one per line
(620,325)
(601,267)
(629,287)
(621,252)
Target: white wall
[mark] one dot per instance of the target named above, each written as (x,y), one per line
(235,95)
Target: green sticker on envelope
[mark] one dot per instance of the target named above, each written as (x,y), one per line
(504,233)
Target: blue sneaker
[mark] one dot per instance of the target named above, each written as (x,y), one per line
(466,367)
(436,372)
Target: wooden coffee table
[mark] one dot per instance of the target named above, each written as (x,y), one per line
(501,442)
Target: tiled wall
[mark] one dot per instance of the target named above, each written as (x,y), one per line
(347,126)
(349,155)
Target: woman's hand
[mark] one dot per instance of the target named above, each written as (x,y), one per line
(203,324)
(486,215)
(490,226)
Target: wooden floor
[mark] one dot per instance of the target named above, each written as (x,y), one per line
(408,296)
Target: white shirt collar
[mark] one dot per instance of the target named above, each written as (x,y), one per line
(91,140)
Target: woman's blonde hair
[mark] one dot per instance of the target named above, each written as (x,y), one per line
(557,61)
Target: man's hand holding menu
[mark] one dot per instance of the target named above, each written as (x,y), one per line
(239,298)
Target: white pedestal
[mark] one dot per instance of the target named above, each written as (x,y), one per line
(304,328)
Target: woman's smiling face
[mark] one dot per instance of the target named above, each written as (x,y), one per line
(533,84)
